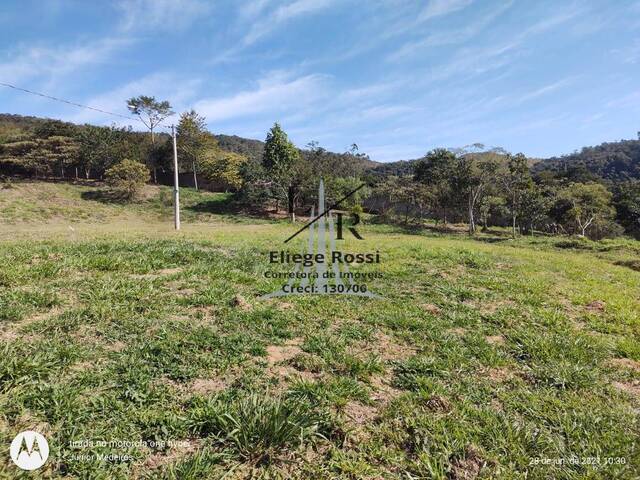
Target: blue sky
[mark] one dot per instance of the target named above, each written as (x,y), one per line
(396,77)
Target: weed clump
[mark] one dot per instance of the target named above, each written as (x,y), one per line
(259,428)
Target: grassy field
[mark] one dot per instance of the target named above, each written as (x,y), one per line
(485,358)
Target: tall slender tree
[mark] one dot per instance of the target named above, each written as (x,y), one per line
(280,160)
(516,180)
(151,113)
(193,138)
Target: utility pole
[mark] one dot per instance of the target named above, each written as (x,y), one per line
(176,185)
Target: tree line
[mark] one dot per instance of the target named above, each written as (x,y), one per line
(45,148)
(482,188)
(499,189)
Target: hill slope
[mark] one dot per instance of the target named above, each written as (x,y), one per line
(615,161)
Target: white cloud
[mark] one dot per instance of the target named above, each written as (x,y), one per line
(433,9)
(161,14)
(252,9)
(280,15)
(478,60)
(552,87)
(450,37)
(437,8)
(628,54)
(48,63)
(274,95)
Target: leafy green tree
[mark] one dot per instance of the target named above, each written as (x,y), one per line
(151,113)
(588,202)
(471,176)
(435,171)
(337,188)
(491,205)
(42,156)
(627,204)
(193,139)
(534,207)
(255,190)
(281,161)
(516,181)
(224,168)
(127,178)
(102,147)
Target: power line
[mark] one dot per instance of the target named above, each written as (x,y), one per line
(69,102)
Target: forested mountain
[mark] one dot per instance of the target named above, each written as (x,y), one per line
(613,161)
(399,168)
(250,148)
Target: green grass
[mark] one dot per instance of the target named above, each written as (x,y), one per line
(481,357)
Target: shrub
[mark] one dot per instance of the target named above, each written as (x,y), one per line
(127,178)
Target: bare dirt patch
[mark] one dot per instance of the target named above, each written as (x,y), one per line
(458,331)
(157,274)
(285,306)
(499,374)
(625,363)
(468,466)
(43,316)
(286,372)
(430,308)
(438,403)
(207,385)
(8,336)
(169,271)
(177,451)
(495,339)
(115,346)
(385,346)
(283,353)
(489,308)
(595,306)
(180,289)
(632,388)
(360,414)
(240,302)
(81,366)
(384,392)
(279,358)
(144,276)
